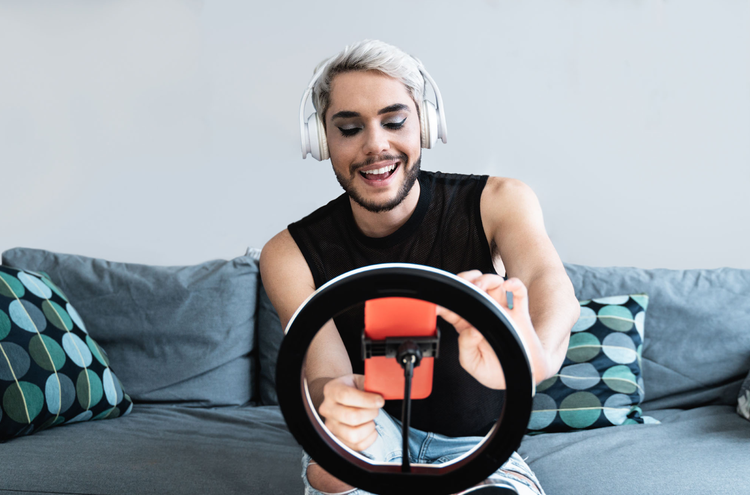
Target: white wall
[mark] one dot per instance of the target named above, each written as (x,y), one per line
(166,132)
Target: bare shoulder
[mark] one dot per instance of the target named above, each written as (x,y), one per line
(278,253)
(506,200)
(506,189)
(286,276)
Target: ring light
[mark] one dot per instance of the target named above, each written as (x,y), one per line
(417,282)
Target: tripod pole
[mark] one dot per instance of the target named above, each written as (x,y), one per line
(408,364)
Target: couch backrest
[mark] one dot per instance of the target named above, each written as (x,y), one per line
(174,334)
(697,329)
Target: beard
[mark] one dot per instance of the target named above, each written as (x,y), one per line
(410,177)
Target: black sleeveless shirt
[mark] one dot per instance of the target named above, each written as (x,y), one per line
(445,231)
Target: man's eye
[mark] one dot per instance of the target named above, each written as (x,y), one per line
(349,131)
(395,125)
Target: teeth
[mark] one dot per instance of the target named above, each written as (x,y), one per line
(379,171)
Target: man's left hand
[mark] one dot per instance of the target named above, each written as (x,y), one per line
(476,354)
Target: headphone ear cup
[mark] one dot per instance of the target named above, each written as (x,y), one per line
(428,121)
(316,135)
(322,139)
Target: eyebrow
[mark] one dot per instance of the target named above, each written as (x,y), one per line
(397,107)
(348,114)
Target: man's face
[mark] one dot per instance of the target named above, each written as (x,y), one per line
(373,135)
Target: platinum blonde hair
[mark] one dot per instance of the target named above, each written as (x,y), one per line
(369,55)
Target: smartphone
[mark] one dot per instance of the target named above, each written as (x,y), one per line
(398,317)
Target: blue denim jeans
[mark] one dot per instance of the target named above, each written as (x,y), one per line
(432,448)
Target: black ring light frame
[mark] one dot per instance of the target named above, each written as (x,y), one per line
(417,282)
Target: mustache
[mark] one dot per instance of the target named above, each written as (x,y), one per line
(375,159)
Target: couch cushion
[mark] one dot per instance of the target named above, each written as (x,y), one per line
(51,370)
(176,334)
(697,337)
(160,450)
(702,450)
(743,400)
(600,381)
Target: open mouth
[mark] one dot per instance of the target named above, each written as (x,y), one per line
(381,173)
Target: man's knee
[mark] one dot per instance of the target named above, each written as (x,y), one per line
(324,482)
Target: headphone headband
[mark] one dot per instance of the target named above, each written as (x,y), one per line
(442,126)
(312,131)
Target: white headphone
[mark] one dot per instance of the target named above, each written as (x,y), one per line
(431,119)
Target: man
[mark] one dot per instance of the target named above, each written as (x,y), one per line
(368,98)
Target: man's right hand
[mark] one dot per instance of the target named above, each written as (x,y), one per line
(350,412)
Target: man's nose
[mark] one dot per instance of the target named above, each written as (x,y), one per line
(376,140)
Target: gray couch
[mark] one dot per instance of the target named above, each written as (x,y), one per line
(205,419)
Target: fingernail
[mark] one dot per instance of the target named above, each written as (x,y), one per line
(509,297)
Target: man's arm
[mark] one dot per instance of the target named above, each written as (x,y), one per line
(336,393)
(514,226)
(288,283)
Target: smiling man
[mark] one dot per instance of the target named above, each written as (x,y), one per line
(369,99)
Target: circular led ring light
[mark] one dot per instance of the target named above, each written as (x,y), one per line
(417,282)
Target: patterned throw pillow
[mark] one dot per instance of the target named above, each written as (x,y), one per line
(743,400)
(51,371)
(600,381)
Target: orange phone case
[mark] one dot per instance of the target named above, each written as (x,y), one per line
(398,317)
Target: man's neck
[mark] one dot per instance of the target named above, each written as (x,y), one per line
(386,222)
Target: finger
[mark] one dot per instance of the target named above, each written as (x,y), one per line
(350,416)
(459,323)
(357,438)
(470,276)
(469,338)
(447,315)
(359,382)
(367,441)
(520,294)
(493,285)
(489,281)
(358,398)
(510,293)
(349,395)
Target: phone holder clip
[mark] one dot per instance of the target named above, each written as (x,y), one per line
(389,347)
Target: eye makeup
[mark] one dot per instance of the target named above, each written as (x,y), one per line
(395,125)
(347,131)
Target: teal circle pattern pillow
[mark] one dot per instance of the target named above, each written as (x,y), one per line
(51,371)
(600,382)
